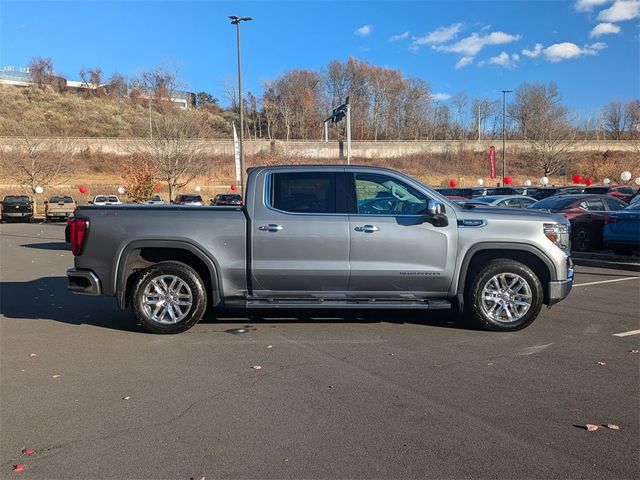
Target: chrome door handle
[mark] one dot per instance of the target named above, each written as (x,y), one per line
(272,227)
(367,228)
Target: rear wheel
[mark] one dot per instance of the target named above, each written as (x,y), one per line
(169,297)
(582,240)
(505,295)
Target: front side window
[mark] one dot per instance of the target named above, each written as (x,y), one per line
(593,205)
(382,195)
(615,205)
(312,192)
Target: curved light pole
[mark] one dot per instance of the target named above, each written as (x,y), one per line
(236,21)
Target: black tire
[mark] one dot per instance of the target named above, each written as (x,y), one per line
(159,272)
(583,240)
(480,278)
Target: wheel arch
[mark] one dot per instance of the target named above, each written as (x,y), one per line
(143,253)
(529,255)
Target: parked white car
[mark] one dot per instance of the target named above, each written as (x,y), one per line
(105,200)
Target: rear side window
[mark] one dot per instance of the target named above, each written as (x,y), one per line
(308,192)
(614,205)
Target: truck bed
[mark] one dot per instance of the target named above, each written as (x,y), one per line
(219,233)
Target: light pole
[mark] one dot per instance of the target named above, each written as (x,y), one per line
(236,21)
(504,132)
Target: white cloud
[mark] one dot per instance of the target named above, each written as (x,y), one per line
(463,62)
(589,5)
(402,36)
(604,28)
(439,35)
(364,30)
(559,52)
(535,53)
(503,60)
(620,11)
(440,97)
(470,46)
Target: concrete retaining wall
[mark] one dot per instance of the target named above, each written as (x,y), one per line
(335,149)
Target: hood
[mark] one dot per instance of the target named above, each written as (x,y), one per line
(493,213)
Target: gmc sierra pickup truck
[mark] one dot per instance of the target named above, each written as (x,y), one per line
(320,237)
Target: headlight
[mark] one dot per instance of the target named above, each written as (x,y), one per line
(558,233)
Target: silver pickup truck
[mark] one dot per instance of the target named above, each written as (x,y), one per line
(335,237)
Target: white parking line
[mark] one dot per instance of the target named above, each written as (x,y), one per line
(626,334)
(606,281)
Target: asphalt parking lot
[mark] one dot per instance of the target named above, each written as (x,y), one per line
(373,395)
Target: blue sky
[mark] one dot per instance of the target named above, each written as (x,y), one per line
(591,48)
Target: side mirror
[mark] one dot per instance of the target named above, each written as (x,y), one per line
(434,208)
(90,201)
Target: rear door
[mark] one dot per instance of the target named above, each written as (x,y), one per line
(300,234)
(395,250)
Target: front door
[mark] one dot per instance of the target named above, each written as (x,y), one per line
(395,249)
(300,235)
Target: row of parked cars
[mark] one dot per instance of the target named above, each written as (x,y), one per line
(600,216)
(61,207)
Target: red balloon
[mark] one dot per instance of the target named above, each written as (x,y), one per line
(508,180)
(577,179)
(452,183)
(234,187)
(158,188)
(588,182)
(82,189)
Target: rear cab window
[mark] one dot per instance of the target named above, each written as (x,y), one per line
(305,192)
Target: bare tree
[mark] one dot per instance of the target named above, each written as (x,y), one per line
(41,71)
(36,159)
(551,132)
(632,113)
(176,148)
(614,119)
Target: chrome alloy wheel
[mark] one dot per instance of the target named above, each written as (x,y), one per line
(167,299)
(506,297)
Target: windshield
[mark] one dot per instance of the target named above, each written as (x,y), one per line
(599,190)
(16,199)
(552,203)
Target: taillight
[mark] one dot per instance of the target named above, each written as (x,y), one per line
(46,207)
(79,227)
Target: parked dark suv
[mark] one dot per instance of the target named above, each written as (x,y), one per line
(226,199)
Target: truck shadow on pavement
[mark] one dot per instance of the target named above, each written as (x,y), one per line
(48,246)
(47,298)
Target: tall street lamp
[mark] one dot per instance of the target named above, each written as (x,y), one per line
(236,21)
(504,132)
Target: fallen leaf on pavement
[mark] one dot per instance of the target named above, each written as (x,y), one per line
(33,354)
(55,376)
(612,426)
(28,451)
(126,398)
(591,427)
(601,363)
(18,468)
(257,367)
(634,350)
(269,346)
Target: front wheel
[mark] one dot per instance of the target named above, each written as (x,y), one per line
(169,297)
(505,295)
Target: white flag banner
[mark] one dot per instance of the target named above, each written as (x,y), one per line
(236,150)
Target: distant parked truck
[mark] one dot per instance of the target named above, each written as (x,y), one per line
(332,237)
(59,207)
(17,207)
(105,200)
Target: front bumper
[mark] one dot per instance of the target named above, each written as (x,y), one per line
(83,282)
(560,289)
